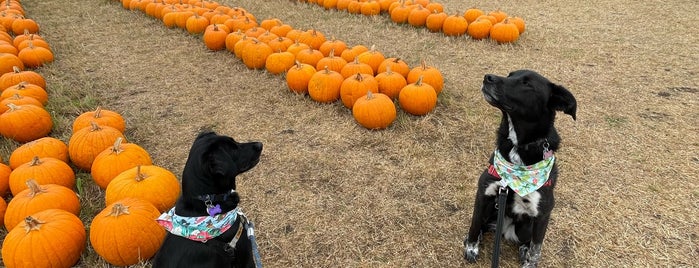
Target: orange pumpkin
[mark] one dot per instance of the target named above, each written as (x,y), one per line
(418,98)
(26,89)
(454,25)
(45,170)
(280,43)
(5,171)
(279,62)
(309,56)
(17,75)
(324,85)
(390,83)
(24,123)
(38,197)
(298,76)
(373,58)
(338,46)
(480,28)
(196,24)
(116,159)
(472,14)
(43,147)
(126,233)
(3,208)
(418,16)
(504,32)
(50,238)
(102,117)
(233,38)
(397,66)
(215,36)
(434,21)
(313,38)
(355,87)
(351,53)
(151,183)
(35,56)
(352,68)
(332,62)
(22,25)
(430,75)
(9,61)
(255,54)
(374,111)
(85,144)
(17,99)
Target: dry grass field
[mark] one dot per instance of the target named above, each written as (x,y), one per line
(329,193)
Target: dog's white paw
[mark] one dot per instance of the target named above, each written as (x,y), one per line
(471,251)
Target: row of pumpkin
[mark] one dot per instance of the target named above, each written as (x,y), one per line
(325,69)
(474,22)
(42,216)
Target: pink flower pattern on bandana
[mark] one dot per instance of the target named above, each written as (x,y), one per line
(201,228)
(523,179)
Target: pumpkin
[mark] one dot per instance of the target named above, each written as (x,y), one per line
(181,18)
(17,76)
(28,90)
(337,46)
(434,21)
(85,144)
(239,46)
(313,38)
(3,208)
(24,123)
(434,7)
(254,32)
(126,233)
(297,77)
(430,75)
(38,197)
(294,34)
(255,54)
(356,86)
(50,238)
(151,183)
(296,47)
(454,25)
(6,47)
(215,36)
(498,14)
(44,170)
(116,159)
(5,171)
(400,13)
(196,24)
(370,8)
(418,16)
(9,61)
(268,23)
(372,57)
(480,28)
(521,26)
(279,62)
(390,83)
(331,62)
(324,85)
(472,14)
(35,56)
(102,117)
(329,4)
(233,38)
(492,19)
(281,30)
(22,25)
(36,42)
(350,54)
(280,43)
(267,37)
(397,66)
(374,111)
(43,147)
(354,7)
(19,39)
(504,32)
(17,99)
(309,56)
(352,68)
(418,98)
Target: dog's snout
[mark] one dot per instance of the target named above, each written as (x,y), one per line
(257,146)
(489,78)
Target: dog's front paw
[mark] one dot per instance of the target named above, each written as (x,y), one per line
(530,256)
(471,251)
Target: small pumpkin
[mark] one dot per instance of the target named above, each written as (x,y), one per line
(454,25)
(26,89)
(430,75)
(390,83)
(233,38)
(298,76)
(255,54)
(196,24)
(374,111)
(472,14)
(356,86)
(434,21)
(215,36)
(398,65)
(337,46)
(504,32)
(313,38)
(154,184)
(281,30)
(352,68)
(44,170)
(43,147)
(102,117)
(280,43)
(373,58)
(126,233)
(480,28)
(521,25)
(5,171)
(116,159)
(332,62)
(85,144)
(17,99)
(351,53)
(324,85)
(24,123)
(370,8)
(50,238)
(418,98)
(498,14)
(309,56)
(38,197)
(22,25)
(418,16)
(35,56)
(3,208)
(279,62)
(17,75)
(9,61)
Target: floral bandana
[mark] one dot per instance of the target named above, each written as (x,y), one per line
(524,179)
(197,228)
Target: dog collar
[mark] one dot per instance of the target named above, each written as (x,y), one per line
(522,179)
(199,229)
(209,200)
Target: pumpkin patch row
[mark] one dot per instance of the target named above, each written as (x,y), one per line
(44,206)
(476,23)
(327,70)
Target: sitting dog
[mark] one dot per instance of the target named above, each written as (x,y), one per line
(206,227)
(522,164)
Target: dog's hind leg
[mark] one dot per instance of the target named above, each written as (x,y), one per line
(533,252)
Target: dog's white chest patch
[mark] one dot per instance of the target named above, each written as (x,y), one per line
(528,204)
(512,136)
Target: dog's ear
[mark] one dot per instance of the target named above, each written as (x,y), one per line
(217,161)
(562,100)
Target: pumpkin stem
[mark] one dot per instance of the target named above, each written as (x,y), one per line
(139,176)
(94,126)
(419,81)
(22,85)
(424,64)
(117,146)
(369,95)
(35,161)
(119,209)
(359,77)
(16,69)
(327,70)
(31,224)
(12,106)
(34,188)
(388,69)
(98,112)
(332,53)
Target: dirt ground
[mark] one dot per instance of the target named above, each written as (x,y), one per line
(329,193)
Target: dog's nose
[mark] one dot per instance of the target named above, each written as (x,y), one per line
(489,78)
(257,146)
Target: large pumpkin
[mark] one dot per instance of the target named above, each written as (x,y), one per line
(37,198)
(43,147)
(116,159)
(297,77)
(24,123)
(85,144)
(354,87)
(430,75)
(374,111)
(45,170)
(125,233)
(50,238)
(255,54)
(102,117)
(151,183)
(324,85)
(390,83)
(418,98)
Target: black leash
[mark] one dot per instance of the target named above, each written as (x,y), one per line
(502,201)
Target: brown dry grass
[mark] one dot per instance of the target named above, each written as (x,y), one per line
(329,193)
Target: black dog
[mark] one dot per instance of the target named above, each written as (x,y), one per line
(208,189)
(526,136)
